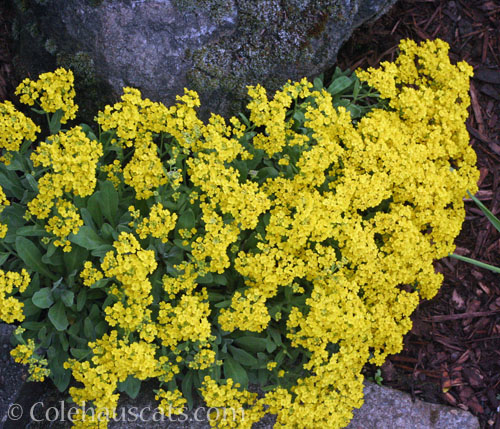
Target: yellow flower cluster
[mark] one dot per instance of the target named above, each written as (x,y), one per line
(186,321)
(89,274)
(133,117)
(271,115)
(66,221)
(171,403)
(410,167)
(357,211)
(112,362)
(37,367)
(212,246)
(243,409)
(52,91)
(4,202)
(159,223)
(130,265)
(247,313)
(145,170)
(113,172)
(15,127)
(10,308)
(184,282)
(204,359)
(73,158)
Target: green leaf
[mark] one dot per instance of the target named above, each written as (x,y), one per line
(357,87)
(31,231)
(80,354)
(108,201)
(101,328)
(63,339)
(88,329)
(187,220)
(223,304)
(180,245)
(299,116)
(10,183)
(262,377)
(108,233)
(33,326)
(32,182)
(30,309)
(87,218)
(3,257)
(81,299)
(340,84)
(101,250)
(87,238)
(187,388)
(276,336)
(131,386)
(43,298)
(244,119)
(476,263)
(491,217)
(252,344)
(75,259)
(57,315)
(270,346)
(243,357)
(94,208)
(235,371)
(267,172)
(88,131)
(32,257)
(318,83)
(67,297)
(354,110)
(220,279)
(206,279)
(42,333)
(55,121)
(60,378)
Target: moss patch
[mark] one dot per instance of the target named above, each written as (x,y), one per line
(270,33)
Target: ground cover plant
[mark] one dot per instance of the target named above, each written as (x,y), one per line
(289,246)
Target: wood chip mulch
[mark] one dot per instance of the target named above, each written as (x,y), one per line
(452,354)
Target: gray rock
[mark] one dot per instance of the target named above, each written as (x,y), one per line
(216,47)
(386,408)
(12,375)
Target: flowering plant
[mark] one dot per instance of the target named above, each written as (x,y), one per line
(289,247)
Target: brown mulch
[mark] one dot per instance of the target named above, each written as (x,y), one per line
(452,354)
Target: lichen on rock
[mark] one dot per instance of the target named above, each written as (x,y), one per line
(216,47)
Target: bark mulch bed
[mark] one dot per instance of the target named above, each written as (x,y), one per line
(452,354)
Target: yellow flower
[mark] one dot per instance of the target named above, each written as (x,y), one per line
(53,91)
(11,309)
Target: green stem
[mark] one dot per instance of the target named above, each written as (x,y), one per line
(477,263)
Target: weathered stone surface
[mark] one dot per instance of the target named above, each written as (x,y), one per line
(16,393)
(386,408)
(216,47)
(12,375)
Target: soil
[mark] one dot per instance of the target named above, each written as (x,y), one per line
(452,354)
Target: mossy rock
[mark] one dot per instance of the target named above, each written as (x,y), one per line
(216,47)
